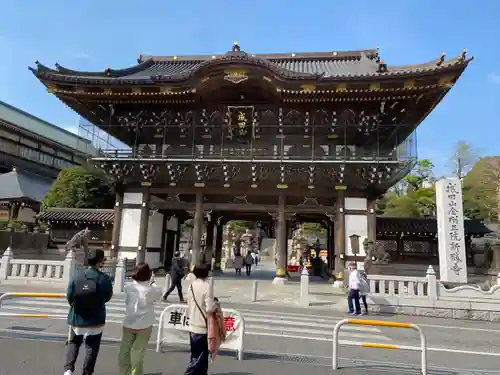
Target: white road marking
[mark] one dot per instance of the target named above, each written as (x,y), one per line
(307,327)
(118,304)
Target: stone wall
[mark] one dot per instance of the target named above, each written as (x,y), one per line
(23,242)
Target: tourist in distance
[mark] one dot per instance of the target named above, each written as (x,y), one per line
(140,297)
(248,263)
(176,275)
(353,294)
(200,305)
(364,289)
(87,295)
(238,263)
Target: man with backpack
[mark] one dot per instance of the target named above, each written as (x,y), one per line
(176,276)
(87,295)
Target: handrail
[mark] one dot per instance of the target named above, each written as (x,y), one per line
(32,295)
(380,323)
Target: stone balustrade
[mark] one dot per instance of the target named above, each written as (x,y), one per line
(56,272)
(428,296)
(409,287)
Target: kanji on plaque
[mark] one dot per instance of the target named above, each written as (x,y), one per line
(229,322)
(178,318)
(175,318)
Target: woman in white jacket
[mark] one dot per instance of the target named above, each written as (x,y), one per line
(200,304)
(140,296)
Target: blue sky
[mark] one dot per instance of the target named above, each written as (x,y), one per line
(91,34)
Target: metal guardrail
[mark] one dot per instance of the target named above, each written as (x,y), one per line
(6,296)
(11,295)
(380,323)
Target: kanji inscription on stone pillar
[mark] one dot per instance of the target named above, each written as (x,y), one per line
(451,238)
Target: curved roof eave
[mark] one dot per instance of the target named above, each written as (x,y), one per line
(107,73)
(122,77)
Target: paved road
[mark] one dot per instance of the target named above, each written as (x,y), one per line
(23,356)
(303,334)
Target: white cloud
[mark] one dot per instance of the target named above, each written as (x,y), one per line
(495,78)
(81,56)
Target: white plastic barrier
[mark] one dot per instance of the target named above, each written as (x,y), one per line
(173,328)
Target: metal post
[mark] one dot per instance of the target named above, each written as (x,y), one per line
(304,288)
(254,290)
(423,347)
(380,323)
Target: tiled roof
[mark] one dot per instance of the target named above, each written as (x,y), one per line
(23,186)
(328,65)
(77,214)
(384,224)
(422,225)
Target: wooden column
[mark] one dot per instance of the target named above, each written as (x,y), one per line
(372,220)
(143,225)
(209,242)
(281,242)
(196,258)
(117,223)
(330,244)
(218,247)
(340,235)
(179,234)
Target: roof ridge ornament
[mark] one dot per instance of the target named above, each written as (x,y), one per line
(463,56)
(441,59)
(236,47)
(382,67)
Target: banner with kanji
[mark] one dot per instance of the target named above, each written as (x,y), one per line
(174,328)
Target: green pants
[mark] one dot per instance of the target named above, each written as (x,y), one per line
(132,348)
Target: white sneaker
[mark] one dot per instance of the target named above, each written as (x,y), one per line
(69,372)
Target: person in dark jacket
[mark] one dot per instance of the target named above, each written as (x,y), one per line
(87,294)
(176,274)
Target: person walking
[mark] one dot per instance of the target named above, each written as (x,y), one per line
(176,276)
(87,294)
(248,263)
(364,289)
(200,304)
(140,297)
(353,294)
(238,264)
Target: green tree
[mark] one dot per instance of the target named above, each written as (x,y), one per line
(463,158)
(239,226)
(314,229)
(481,188)
(80,187)
(422,172)
(417,203)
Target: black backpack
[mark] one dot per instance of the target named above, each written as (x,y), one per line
(85,296)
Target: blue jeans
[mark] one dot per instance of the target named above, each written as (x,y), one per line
(353,296)
(198,364)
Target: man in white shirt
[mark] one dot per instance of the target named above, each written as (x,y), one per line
(354,285)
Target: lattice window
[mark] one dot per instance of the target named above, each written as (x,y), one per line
(417,247)
(388,245)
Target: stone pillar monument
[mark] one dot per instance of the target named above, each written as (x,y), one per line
(227,247)
(299,246)
(451,241)
(247,242)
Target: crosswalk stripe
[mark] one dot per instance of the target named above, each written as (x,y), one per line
(250,315)
(258,322)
